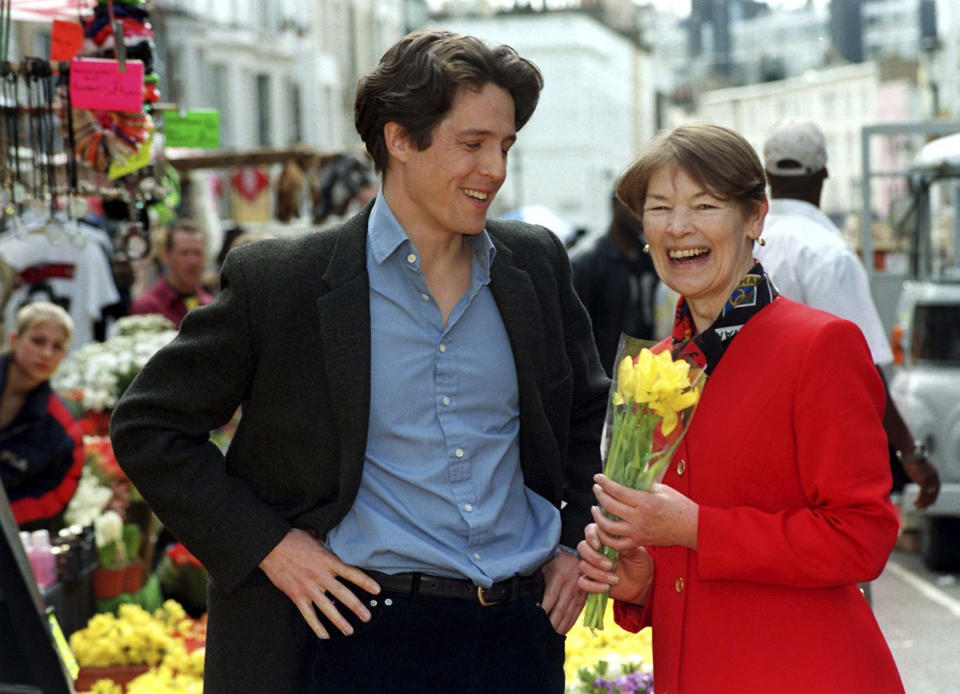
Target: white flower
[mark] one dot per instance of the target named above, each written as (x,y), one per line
(108,528)
(99,372)
(135,325)
(89,500)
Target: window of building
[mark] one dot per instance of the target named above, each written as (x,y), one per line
(295,108)
(263,110)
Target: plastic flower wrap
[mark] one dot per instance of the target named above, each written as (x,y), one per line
(652,399)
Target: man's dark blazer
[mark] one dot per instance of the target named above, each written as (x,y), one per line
(288,340)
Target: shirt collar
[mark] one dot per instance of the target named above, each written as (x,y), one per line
(801,208)
(385,236)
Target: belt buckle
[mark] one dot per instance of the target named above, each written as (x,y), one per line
(483,600)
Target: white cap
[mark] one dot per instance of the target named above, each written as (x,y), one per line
(795,149)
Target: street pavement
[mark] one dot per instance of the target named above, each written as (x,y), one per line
(919,614)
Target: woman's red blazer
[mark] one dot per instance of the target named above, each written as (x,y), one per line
(787,458)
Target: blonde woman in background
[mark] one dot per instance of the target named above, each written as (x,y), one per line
(41,445)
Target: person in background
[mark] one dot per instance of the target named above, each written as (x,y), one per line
(41,445)
(422,409)
(616,283)
(746,559)
(180,288)
(809,262)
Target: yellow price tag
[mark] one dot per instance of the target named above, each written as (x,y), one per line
(66,655)
(135,161)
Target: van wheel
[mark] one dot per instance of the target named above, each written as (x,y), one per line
(940,543)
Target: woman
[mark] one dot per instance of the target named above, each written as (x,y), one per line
(746,559)
(41,445)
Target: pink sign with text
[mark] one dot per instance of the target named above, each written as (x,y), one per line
(100,84)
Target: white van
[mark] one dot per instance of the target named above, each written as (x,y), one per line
(926,343)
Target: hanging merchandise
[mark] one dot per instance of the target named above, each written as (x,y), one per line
(76,278)
(250,181)
(106,136)
(129,19)
(72,132)
(253,202)
(103,137)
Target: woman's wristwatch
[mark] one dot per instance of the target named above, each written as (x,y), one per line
(919,453)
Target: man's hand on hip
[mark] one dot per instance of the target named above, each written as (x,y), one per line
(302,568)
(562,599)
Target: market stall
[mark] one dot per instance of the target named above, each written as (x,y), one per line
(111,604)
(78,134)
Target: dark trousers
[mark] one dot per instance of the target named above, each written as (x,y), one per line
(442,645)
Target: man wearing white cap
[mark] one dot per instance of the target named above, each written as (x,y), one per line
(808,260)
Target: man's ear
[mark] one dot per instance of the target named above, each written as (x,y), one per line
(397,140)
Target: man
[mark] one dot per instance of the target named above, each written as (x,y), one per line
(616,283)
(420,394)
(809,262)
(179,289)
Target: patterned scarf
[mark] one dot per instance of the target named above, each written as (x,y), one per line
(705,349)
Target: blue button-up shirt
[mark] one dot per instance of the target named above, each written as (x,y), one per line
(442,489)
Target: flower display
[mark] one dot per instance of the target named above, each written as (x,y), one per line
(99,457)
(134,637)
(96,375)
(91,497)
(168,641)
(612,660)
(183,577)
(652,399)
(108,529)
(140,324)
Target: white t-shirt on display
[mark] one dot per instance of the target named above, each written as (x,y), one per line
(79,279)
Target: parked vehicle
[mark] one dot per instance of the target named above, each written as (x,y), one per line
(926,342)
(926,388)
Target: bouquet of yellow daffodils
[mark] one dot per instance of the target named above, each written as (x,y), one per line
(652,398)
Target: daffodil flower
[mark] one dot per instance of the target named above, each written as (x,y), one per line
(651,392)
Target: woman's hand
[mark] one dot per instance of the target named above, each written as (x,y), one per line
(631,580)
(660,517)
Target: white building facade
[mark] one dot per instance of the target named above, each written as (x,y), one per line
(596,109)
(840,100)
(279,72)
(944,64)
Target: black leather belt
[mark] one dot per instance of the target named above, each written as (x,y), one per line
(425,585)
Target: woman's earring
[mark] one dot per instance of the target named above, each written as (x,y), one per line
(646,248)
(762,241)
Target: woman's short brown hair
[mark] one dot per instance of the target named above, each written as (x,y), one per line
(718,158)
(418,77)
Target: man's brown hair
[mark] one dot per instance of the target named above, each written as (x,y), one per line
(415,83)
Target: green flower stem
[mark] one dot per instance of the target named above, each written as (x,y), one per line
(628,464)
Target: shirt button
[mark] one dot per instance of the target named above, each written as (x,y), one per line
(679,584)
(443,347)
(476,555)
(681,466)
(468,507)
(446,400)
(458,452)
(425,297)
(411,258)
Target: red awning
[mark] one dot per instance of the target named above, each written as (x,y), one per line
(48,10)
